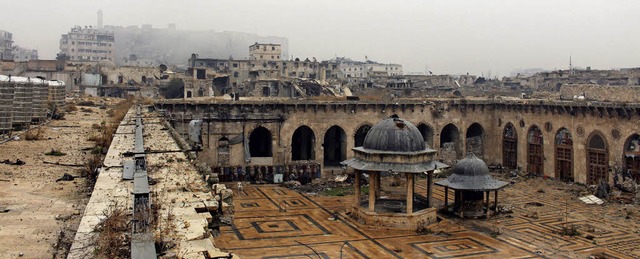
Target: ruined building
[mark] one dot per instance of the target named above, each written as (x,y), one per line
(88,44)
(21,54)
(6,48)
(367,69)
(268,51)
(266,74)
(148,46)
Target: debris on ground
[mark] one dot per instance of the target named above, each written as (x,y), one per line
(66,177)
(533,204)
(328,186)
(8,162)
(341,178)
(292,184)
(591,199)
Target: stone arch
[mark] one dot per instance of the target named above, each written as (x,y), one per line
(474,141)
(335,146)
(597,158)
(260,142)
(189,94)
(510,146)
(564,154)
(427,133)
(360,134)
(223,151)
(303,144)
(450,143)
(535,151)
(631,157)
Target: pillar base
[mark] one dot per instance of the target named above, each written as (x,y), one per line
(411,221)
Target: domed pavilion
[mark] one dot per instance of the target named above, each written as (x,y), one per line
(394,146)
(472,184)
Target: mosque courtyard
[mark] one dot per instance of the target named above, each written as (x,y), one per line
(275,222)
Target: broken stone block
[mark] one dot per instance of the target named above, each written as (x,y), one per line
(629,185)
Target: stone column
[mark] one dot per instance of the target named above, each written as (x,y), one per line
(357,188)
(446,196)
(430,188)
(372,191)
(409,193)
(495,199)
(378,185)
(488,194)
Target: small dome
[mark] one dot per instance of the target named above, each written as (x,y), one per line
(471,166)
(395,135)
(471,173)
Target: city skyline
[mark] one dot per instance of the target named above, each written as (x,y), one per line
(491,37)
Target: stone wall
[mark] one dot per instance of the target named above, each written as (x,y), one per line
(614,122)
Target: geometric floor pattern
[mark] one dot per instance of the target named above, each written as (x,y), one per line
(275,222)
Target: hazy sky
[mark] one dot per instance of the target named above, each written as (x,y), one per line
(447,36)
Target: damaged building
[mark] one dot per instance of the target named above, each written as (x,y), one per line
(576,141)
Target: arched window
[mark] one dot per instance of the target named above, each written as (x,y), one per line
(260,142)
(427,133)
(510,147)
(597,159)
(360,134)
(335,146)
(475,139)
(450,144)
(564,155)
(535,151)
(303,144)
(632,157)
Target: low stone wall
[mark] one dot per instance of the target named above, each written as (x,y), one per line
(411,221)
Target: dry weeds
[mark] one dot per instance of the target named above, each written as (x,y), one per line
(112,239)
(35,134)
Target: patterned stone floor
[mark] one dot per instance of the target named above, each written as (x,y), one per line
(262,229)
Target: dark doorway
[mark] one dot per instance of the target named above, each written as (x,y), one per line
(361,133)
(303,144)
(597,159)
(475,140)
(510,147)
(335,146)
(632,157)
(450,144)
(427,133)
(535,161)
(564,155)
(260,142)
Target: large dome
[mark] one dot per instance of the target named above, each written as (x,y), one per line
(394,135)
